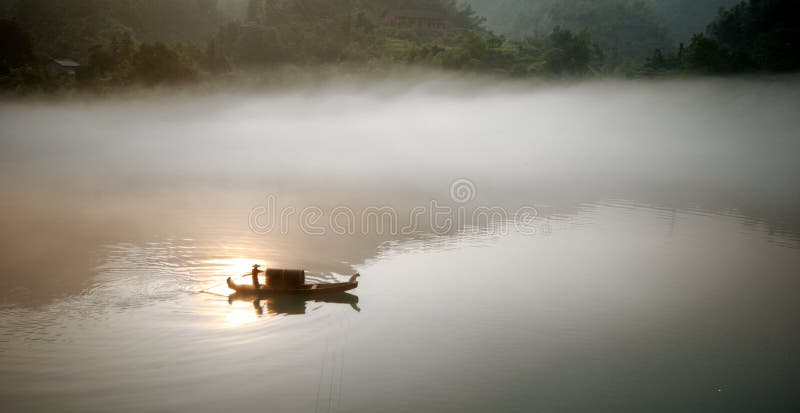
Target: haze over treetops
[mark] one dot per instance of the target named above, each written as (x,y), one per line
(108,44)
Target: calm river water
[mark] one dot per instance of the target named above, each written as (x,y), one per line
(615,246)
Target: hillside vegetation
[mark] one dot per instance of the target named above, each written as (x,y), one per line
(122,43)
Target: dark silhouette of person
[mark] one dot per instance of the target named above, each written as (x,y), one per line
(255,275)
(257,306)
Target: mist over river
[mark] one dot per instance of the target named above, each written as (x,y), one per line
(648,257)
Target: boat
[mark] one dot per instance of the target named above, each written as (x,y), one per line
(305,289)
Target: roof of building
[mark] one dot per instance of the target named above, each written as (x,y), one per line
(417,14)
(66,63)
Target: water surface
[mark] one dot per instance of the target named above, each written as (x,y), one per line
(659,274)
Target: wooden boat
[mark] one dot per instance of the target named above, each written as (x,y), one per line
(306,289)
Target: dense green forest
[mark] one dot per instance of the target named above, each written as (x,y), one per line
(678,19)
(755,35)
(628,30)
(109,44)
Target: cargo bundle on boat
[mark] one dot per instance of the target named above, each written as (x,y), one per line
(277,278)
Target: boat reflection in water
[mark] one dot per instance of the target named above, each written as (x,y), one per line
(292,304)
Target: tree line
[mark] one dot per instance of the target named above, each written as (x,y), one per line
(752,36)
(120,43)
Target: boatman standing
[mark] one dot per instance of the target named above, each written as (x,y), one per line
(255,275)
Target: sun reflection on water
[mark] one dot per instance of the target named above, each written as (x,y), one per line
(235,266)
(240,313)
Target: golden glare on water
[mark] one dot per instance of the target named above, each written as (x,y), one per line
(240,314)
(235,267)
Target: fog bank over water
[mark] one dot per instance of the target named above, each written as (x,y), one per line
(608,136)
